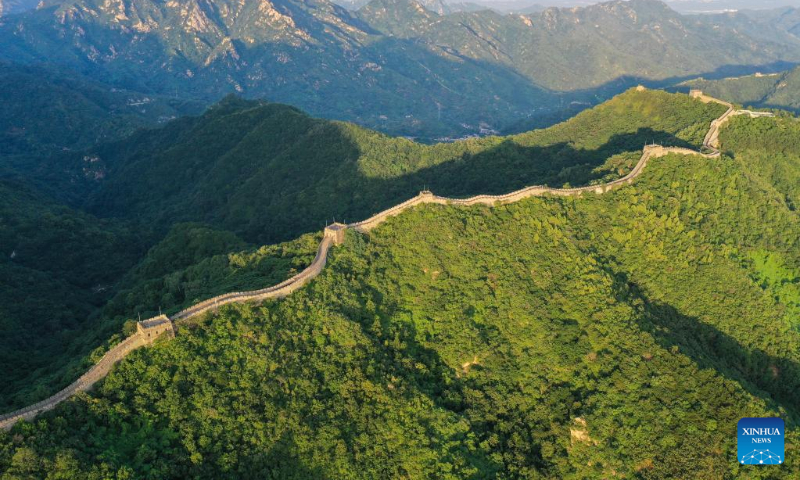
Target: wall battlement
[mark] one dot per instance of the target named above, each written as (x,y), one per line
(147,331)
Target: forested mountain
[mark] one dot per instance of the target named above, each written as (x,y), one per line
(157,153)
(42,109)
(772,24)
(615,335)
(778,90)
(58,266)
(253,174)
(394,65)
(728,6)
(270,172)
(569,49)
(46,112)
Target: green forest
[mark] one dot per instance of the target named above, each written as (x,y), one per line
(181,213)
(778,90)
(606,336)
(269,172)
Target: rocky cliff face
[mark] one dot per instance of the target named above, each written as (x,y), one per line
(395,65)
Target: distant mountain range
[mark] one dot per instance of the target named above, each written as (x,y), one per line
(394,65)
(717,6)
(778,90)
(446,7)
(10,7)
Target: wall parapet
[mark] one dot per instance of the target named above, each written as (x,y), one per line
(147,331)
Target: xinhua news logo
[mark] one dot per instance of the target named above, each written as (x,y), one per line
(760,441)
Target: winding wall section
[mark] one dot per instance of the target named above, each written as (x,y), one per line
(149,330)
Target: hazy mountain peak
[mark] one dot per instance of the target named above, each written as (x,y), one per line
(10,7)
(395,7)
(400,18)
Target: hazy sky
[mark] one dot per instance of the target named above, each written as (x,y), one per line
(693,6)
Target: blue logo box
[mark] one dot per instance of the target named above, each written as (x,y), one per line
(760,441)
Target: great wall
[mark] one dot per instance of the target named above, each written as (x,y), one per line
(149,330)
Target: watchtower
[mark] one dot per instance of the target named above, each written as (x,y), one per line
(335,231)
(152,328)
(696,93)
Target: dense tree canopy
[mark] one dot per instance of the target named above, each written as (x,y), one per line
(616,335)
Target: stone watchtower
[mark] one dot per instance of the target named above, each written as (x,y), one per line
(696,93)
(152,328)
(335,231)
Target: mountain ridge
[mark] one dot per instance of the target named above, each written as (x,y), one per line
(774,90)
(334,235)
(419,351)
(444,75)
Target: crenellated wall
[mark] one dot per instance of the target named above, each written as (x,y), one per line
(146,333)
(277,291)
(149,330)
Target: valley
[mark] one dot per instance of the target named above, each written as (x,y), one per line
(394,65)
(346,239)
(334,234)
(643,301)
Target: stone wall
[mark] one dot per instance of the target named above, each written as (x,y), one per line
(145,335)
(650,151)
(278,291)
(150,329)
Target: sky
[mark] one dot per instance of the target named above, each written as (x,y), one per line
(684,6)
(705,6)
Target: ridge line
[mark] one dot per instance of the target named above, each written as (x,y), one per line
(150,329)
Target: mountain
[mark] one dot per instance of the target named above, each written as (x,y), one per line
(515,6)
(58,266)
(303,53)
(598,336)
(270,172)
(180,211)
(437,6)
(11,7)
(395,65)
(49,109)
(447,7)
(570,49)
(776,90)
(780,25)
(719,6)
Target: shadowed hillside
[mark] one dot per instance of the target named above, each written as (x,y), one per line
(621,334)
(269,172)
(780,90)
(264,173)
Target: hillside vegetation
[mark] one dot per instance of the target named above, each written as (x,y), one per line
(270,172)
(251,174)
(58,266)
(780,90)
(47,108)
(617,335)
(393,65)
